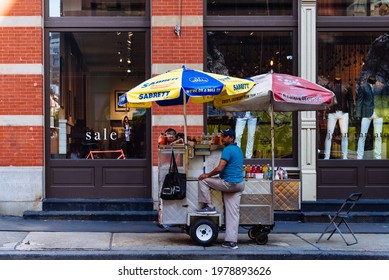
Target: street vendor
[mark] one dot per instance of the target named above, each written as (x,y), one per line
(171,135)
(230,183)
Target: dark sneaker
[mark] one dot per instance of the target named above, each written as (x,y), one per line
(207,210)
(230,244)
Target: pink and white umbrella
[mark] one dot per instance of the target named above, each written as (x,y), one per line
(286,93)
(276,92)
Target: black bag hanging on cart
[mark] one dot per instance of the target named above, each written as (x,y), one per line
(174,184)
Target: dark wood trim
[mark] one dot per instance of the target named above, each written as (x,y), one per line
(339,178)
(351,22)
(249,21)
(100,22)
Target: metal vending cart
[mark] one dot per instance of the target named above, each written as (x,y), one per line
(256,210)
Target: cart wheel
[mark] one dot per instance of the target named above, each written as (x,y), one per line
(252,232)
(203,232)
(261,238)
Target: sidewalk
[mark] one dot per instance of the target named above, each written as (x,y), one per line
(64,239)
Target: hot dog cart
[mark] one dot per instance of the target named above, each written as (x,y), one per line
(256,209)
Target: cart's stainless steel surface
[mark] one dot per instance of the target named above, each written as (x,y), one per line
(256,202)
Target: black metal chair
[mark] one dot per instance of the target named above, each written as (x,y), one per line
(341,217)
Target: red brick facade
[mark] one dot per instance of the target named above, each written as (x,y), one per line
(21,48)
(21,145)
(21,8)
(21,95)
(168,48)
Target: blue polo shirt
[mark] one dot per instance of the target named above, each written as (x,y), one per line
(232,172)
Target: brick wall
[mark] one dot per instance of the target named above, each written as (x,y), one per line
(170,49)
(21,8)
(21,93)
(21,146)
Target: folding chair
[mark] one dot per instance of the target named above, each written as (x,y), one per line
(340,218)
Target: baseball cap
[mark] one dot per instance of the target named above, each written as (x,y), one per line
(228,132)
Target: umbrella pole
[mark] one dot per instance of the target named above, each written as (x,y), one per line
(185,137)
(272,139)
(185,122)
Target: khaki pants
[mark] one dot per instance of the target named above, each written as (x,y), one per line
(232,193)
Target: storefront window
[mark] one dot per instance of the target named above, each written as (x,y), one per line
(354,65)
(246,54)
(86,78)
(249,8)
(82,8)
(352,8)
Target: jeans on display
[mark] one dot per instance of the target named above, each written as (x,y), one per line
(365,123)
(343,124)
(251,127)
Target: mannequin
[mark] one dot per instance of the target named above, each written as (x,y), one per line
(251,127)
(339,113)
(127,135)
(370,107)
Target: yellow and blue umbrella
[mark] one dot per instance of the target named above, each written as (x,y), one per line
(175,84)
(173,88)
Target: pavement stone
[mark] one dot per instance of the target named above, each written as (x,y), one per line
(9,239)
(67,240)
(366,242)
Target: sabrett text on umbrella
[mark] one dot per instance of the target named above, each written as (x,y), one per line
(158,82)
(241,86)
(154,95)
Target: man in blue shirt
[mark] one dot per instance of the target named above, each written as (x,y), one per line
(230,183)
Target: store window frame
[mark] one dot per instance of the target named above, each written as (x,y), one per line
(94,24)
(92,176)
(260,23)
(355,173)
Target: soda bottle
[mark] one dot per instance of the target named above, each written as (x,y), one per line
(264,170)
(244,171)
(248,171)
(253,170)
(269,175)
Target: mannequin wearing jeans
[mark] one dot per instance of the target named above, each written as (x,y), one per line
(343,124)
(370,106)
(251,126)
(338,113)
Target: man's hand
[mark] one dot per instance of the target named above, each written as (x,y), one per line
(203,176)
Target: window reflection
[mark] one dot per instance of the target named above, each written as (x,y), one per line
(357,127)
(245,54)
(352,8)
(63,8)
(86,79)
(249,8)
